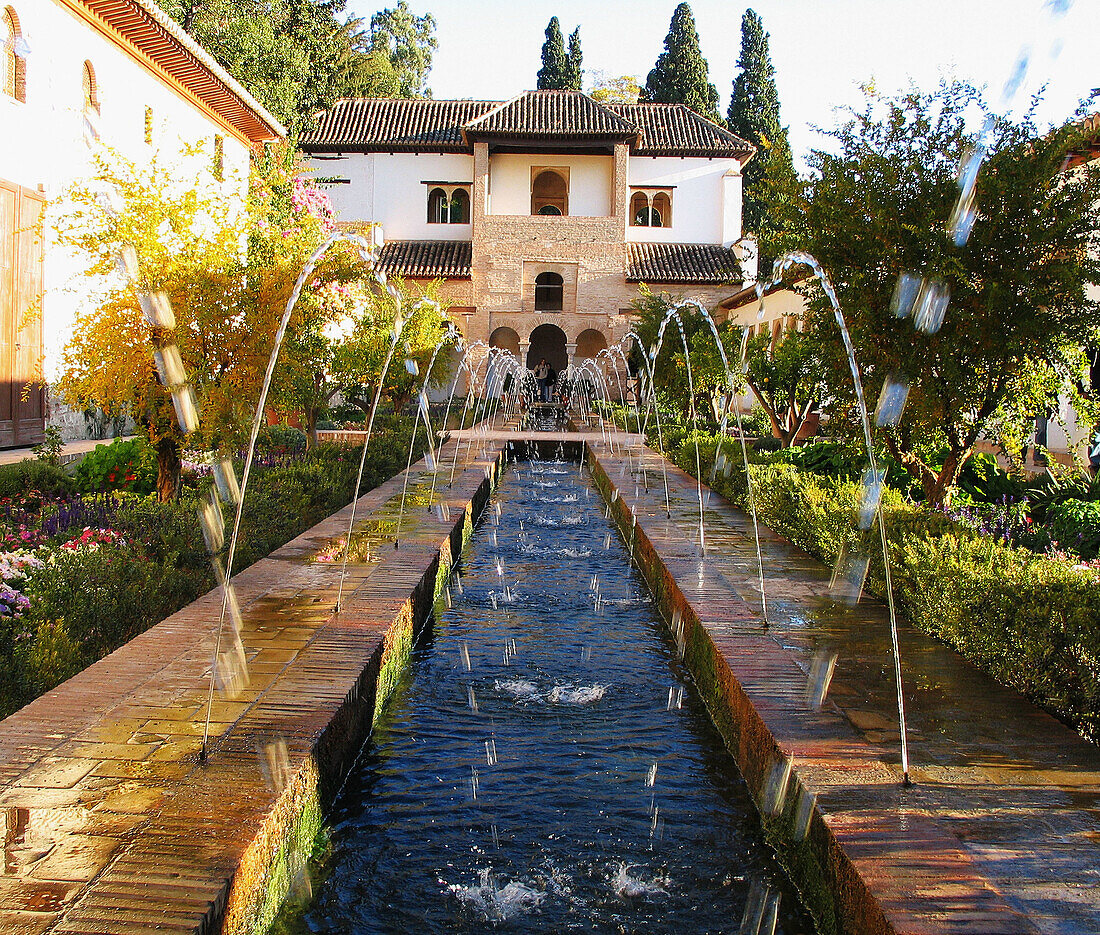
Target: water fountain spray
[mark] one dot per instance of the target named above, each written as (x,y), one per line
(873,478)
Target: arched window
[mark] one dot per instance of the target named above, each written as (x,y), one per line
(91,90)
(548,292)
(660,214)
(460,206)
(15,64)
(647,211)
(450,205)
(437,206)
(549,190)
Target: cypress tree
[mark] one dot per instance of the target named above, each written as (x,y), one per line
(770,182)
(681,75)
(554,74)
(573,61)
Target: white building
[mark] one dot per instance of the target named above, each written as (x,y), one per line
(75,72)
(544,213)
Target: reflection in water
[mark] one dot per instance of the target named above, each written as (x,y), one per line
(547,767)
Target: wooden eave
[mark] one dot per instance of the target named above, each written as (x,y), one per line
(144,29)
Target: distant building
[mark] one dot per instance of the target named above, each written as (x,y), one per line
(74,72)
(544,213)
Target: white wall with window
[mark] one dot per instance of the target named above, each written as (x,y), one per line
(400,191)
(703,200)
(588,182)
(69,87)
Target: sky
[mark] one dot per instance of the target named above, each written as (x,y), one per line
(822,50)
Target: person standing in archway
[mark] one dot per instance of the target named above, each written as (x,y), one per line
(542,376)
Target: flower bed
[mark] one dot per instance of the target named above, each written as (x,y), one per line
(83,573)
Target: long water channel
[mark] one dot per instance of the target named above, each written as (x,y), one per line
(547,765)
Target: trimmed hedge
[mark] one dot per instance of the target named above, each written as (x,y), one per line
(1030,622)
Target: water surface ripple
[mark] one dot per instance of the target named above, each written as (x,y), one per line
(546,766)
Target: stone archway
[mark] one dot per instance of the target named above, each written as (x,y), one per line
(589,344)
(548,341)
(505,338)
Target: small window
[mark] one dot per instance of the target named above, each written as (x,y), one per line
(149,126)
(651,212)
(550,189)
(219,157)
(548,292)
(448,206)
(660,214)
(460,207)
(15,64)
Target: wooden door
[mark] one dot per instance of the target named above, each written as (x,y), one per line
(22,396)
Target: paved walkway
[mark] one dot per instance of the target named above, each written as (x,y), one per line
(70,451)
(1001,830)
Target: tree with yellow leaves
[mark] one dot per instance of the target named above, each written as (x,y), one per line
(226,266)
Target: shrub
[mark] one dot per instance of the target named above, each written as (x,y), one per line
(108,595)
(23,476)
(50,657)
(983,480)
(1075,525)
(124,465)
(280,439)
(1029,621)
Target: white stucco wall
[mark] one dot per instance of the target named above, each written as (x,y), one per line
(590,181)
(706,208)
(45,146)
(388,188)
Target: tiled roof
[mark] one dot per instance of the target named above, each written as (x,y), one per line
(699,263)
(676,130)
(551,113)
(384,124)
(426,259)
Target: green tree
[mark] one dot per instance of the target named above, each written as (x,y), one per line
(295,56)
(574,61)
(670,366)
(623,89)
(681,75)
(1018,313)
(343,341)
(788,377)
(554,74)
(771,185)
(409,41)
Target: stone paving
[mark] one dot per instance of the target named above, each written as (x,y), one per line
(108,821)
(999,832)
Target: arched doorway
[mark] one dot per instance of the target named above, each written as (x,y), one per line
(589,344)
(548,341)
(505,338)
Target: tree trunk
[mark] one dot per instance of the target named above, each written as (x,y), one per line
(311,415)
(939,487)
(168,469)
